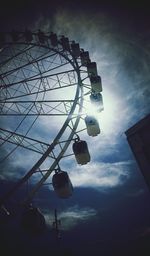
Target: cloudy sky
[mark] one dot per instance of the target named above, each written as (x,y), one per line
(109,210)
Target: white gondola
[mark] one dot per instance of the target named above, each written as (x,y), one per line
(96,83)
(75,49)
(62,184)
(92,126)
(81,152)
(85,59)
(92,69)
(33,220)
(97,101)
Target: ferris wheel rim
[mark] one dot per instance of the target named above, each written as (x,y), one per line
(78,97)
(85,78)
(54,50)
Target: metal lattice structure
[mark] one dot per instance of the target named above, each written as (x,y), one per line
(41,76)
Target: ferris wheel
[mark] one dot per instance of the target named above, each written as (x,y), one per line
(46,83)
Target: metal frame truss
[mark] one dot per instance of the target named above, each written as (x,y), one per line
(35,80)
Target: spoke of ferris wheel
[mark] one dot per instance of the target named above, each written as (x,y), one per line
(29,62)
(22,51)
(38,91)
(34,77)
(28,88)
(28,143)
(37,101)
(35,62)
(55,114)
(37,165)
(24,141)
(37,76)
(20,109)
